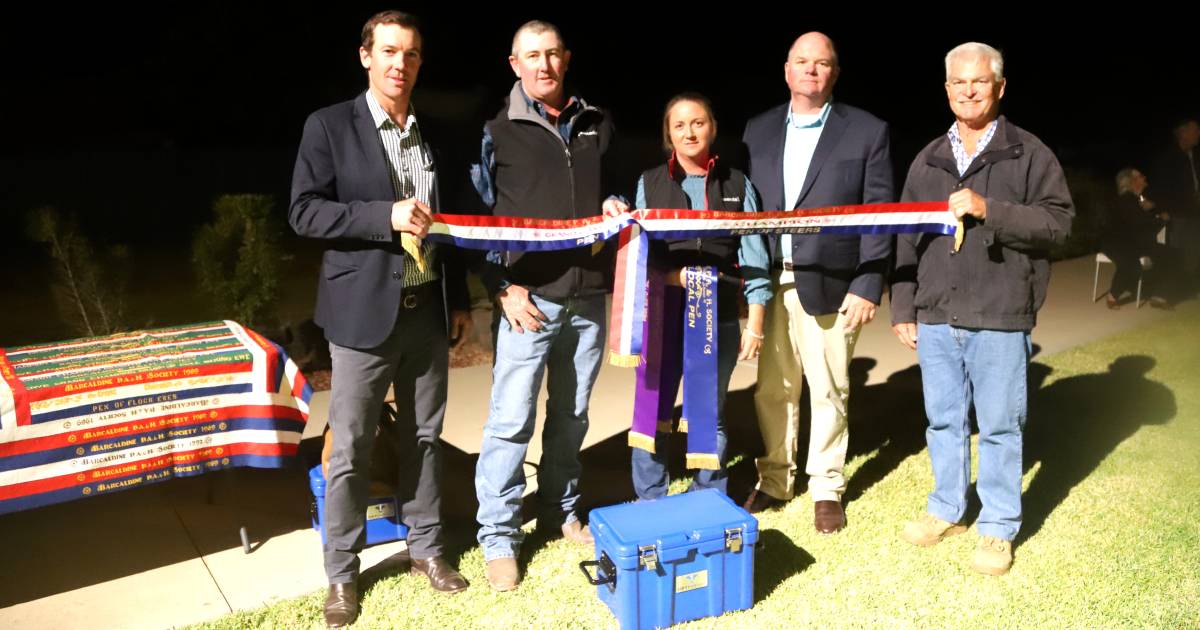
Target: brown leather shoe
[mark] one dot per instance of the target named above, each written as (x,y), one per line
(828,516)
(341,605)
(577,533)
(442,575)
(760,501)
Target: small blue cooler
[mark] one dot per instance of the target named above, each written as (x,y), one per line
(679,558)
(383,512)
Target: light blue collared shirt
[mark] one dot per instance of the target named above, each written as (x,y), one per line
(803,133)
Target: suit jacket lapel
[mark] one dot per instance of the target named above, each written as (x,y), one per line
(835,126)
(374,160)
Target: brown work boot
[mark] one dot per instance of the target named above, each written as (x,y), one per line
(577,533)
(929,530)
(502,574)
(993,556)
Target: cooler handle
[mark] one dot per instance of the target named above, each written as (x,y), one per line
(605,571)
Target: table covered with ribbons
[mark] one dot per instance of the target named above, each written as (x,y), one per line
(638,310)
(96,415)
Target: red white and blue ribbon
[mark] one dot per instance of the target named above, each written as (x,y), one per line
(625,343)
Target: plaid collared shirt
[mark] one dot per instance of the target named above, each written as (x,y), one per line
(961,159)
(412,176)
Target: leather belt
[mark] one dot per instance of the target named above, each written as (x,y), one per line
(420,295)
(784,265)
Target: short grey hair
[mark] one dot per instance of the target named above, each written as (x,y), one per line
(537,27)
(1125,180)
(972,50)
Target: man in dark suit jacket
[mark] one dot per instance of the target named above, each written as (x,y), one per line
(365,181)
(812,153)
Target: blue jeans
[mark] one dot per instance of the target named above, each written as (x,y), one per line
(988,367)
(650,478)
(570,347)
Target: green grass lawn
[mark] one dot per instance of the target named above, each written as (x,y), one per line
(1111,535)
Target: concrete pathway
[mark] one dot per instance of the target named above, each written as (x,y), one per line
(169,554)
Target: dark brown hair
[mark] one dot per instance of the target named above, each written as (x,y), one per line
(406,20)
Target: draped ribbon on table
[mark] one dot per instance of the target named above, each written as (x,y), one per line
(634,313)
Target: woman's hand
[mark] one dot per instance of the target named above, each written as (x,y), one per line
(752,337)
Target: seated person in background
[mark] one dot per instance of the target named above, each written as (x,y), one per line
(1129,238)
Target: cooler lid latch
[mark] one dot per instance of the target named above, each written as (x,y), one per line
(648,556)
(733,539)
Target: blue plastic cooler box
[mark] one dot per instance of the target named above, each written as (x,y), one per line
(383,512)
(679,558)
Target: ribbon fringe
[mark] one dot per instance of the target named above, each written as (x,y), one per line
(624,360)
(706,461)
(642,441)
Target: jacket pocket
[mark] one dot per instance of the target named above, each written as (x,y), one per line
(336,269)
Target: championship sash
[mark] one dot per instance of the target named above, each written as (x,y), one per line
(700,368)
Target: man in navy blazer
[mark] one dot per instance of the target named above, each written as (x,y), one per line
(366,183)
(813,153)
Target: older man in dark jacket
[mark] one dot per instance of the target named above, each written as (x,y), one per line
(972,299)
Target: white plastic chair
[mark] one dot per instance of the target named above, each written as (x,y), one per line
(1146,265)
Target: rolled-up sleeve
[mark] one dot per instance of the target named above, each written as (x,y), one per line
(753,258)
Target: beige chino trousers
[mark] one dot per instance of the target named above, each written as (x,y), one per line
(799,345)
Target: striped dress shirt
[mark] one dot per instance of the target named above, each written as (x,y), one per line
(411,168)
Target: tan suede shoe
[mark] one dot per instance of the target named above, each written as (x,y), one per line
(929,530)
(502,574)
(993,556)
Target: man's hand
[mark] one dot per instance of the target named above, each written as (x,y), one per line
(411,216)
(906,332)
(460,328)
(858,311)
(521,314)
(613,207)
(967,201)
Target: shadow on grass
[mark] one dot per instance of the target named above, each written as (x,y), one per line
(778,559)
(1076,422)
(888,418)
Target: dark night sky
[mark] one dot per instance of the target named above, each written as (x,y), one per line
(137,120)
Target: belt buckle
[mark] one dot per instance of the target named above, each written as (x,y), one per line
(788,266)
(410,301)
